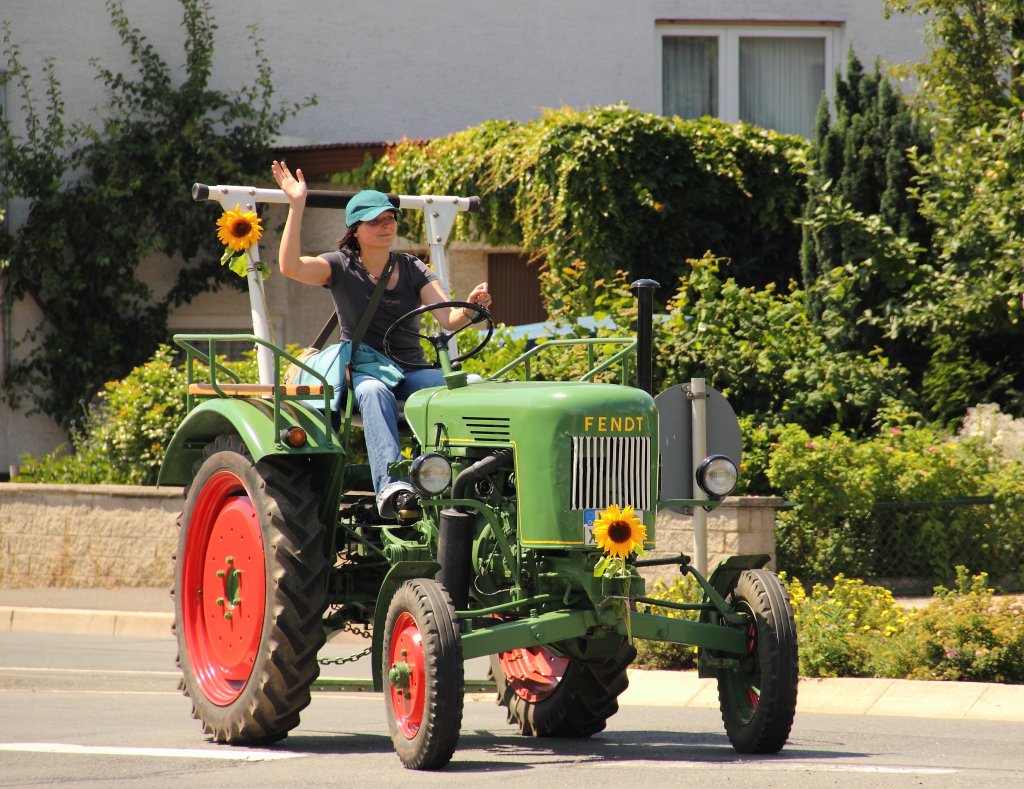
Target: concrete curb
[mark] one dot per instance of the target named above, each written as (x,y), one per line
(80,621)
(845,696)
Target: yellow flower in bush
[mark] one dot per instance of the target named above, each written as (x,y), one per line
(619,532)
(239,230)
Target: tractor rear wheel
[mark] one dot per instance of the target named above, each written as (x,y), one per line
(250,583)
(758,700)
(551,696)
(423,673)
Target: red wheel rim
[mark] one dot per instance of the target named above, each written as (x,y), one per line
(223,588)
(533,673)
(408,686)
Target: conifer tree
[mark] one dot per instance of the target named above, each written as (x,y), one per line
(860,162)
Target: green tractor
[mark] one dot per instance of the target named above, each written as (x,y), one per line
(280,543)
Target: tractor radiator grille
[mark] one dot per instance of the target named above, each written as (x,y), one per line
(488,428)
(611,470)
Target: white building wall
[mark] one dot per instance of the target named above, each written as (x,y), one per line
(387,70)
(393,68)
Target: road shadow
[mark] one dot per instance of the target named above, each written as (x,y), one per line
(484,751)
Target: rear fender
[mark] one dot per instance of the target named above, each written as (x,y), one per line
(252,420)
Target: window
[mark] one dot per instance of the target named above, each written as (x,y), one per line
(771,75)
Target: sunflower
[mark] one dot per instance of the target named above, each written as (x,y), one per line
(239,230)
(619,532)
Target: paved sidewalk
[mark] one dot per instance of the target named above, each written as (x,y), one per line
(148,613)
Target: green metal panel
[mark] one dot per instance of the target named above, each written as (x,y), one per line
(684,631)
(537,630)
(539,419)
(253,420)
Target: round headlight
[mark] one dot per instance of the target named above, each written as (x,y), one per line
(717,476)
(431,474)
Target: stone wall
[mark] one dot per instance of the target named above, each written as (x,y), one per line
(88,536)
(740,525)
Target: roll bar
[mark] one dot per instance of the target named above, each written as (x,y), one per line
(439,218)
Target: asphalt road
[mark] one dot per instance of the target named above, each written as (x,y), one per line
(102,711)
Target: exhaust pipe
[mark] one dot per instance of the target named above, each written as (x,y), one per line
(645,333)
(455,531)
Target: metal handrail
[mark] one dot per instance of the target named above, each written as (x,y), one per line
(209,358)
(590,342)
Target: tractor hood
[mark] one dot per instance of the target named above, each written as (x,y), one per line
(579,447)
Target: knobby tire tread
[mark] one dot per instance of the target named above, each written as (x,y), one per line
(278,688)
(772,721)
(586,697)
(435,743)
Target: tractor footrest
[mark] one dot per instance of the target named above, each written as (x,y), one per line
(255,390)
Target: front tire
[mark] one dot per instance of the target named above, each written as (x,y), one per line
(551,696)
(250,583)
(424,677)
(758,700)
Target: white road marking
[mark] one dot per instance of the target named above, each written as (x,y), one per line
(227,754)
(778,765)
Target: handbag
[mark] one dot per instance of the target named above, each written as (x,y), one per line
(347,355)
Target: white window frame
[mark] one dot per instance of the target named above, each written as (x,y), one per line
(729,35)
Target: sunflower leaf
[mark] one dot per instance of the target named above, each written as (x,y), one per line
(239,264)
(601,566)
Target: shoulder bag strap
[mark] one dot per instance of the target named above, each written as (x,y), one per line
(371,309)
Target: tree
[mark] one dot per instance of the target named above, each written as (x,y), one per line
(964,307)
(102,199)
(861,166)
(973,69)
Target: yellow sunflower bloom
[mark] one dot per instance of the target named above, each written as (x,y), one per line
(239,230)
(619,532)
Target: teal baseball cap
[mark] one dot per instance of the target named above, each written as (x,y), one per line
(366,206)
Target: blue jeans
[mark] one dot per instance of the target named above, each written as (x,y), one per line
(379,408)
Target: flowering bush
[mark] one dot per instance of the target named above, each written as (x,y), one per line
(997,431)
(967,634)
(852,629)
(842,631)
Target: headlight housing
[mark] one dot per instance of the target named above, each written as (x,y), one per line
(717,476)
(431,474)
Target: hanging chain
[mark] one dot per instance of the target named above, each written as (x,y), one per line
(362,633)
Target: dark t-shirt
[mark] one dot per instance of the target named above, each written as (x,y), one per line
(351,289)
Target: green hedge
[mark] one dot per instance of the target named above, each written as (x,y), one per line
(619,189)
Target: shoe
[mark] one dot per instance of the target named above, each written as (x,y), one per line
(406,504)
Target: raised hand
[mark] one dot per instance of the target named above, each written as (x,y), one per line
(293,186)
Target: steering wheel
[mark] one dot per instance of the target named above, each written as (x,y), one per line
(438,340)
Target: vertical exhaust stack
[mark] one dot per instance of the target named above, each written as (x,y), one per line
(645,333)
(455,531)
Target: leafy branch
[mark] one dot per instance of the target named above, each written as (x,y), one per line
(102,199)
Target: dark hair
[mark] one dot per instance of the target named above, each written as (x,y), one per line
(349,240)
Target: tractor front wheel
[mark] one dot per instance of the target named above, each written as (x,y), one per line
(551,696)
(758,699)
(424,677)
(250,583)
